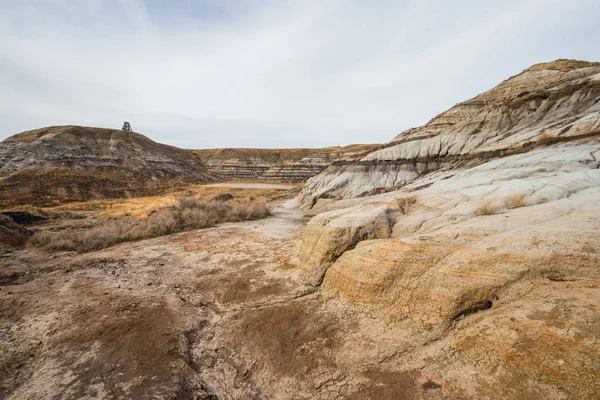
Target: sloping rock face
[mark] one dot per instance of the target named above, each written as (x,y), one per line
(489,281)
(79,163)
(330,234)
(444,261)
(545,104)
(489,284)
(282,165)
(475,232)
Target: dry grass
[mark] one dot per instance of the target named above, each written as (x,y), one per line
(486,207)
(406,204)
(563,64)
(183,214)
(515,200)
(140,207)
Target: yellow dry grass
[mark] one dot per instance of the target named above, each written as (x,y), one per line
(486,207)
(140,207)
(515,200)
(406,204)
(98,224)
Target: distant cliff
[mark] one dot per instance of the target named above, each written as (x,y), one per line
(546,104)
(288,165)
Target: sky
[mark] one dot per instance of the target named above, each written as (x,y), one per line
(272,73)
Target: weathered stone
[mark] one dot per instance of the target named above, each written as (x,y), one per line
(535,108)
(328,235)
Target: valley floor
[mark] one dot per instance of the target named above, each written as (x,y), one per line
(253,185)
(222,313)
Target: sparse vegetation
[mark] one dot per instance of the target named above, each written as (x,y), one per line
(562,64)
(486,207)
(515,200)
(185,214)
(406,204)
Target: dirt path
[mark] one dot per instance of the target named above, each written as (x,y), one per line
(147,319)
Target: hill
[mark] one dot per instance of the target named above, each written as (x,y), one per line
(288,165)
(72,163)
(546,104)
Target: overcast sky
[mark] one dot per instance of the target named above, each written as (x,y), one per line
(225,73)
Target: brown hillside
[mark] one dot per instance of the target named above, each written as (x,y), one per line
(72,163)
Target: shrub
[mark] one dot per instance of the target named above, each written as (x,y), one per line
(187,213)
(486,207)
(259,209)
(106,235)
(406,204)
(515,200)
(161,224)
(223,197)
(190,202)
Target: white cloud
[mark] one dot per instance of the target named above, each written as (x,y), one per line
(278,74)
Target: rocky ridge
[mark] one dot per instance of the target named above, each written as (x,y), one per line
(493,234)
(280,165)
(543,105)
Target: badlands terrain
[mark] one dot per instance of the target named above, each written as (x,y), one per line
(73,163)
(280,165)
(459,261)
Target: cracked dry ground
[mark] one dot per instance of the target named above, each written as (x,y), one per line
(221,314)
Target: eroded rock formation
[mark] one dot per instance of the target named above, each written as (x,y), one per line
(79,163)
(478,278)
(545,104)
(330,234)
(494,237)
(281,165)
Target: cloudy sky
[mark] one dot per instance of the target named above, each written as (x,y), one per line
(274,73)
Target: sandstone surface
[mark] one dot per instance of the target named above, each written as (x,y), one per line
(224,313)
(330,234)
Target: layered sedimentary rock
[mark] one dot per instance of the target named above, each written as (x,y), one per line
(545,104)
(287,165)
(77,163)
(472,234)
(494,211)
(330,234)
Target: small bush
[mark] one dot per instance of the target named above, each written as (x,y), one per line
(106,235)
(223,197)
(406,204)
(190,203)
(486,207)
(161,224)
(515,200)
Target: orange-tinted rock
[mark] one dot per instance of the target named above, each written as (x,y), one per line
(328,235)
